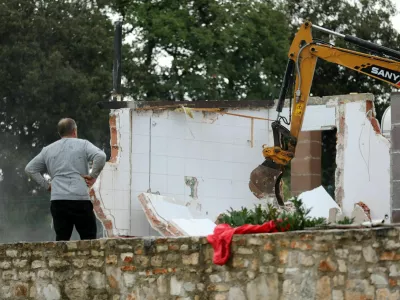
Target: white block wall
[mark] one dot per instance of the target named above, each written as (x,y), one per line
(159,149)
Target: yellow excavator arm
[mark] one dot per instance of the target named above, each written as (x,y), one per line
(303,55)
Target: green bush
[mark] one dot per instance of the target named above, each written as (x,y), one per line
(297,220)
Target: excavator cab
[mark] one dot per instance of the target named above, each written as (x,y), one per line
(381,63)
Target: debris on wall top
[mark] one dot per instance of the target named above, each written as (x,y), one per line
(171,218)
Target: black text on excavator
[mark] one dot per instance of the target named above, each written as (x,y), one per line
(382,63)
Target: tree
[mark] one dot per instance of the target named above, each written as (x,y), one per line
(218,49)
(55,61)
(366,19)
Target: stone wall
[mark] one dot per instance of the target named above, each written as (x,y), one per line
(356,264)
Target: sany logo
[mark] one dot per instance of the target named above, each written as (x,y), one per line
(385,74)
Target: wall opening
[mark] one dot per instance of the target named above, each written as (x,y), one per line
(328,160)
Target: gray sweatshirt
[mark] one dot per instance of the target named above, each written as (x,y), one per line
(65,161)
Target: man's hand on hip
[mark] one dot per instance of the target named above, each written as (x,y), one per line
(89,180)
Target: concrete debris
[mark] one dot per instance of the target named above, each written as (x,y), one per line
(319,201)
(170,218)
(335,215)
(359,215)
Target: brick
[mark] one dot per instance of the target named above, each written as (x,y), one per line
(305,166)
(305,182)
(309,149)
(312,135)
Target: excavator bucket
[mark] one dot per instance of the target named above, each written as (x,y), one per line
(265,182)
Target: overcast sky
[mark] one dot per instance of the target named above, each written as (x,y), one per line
(396,20)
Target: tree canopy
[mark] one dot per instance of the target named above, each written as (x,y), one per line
(55,61)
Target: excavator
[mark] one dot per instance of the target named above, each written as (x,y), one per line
(380,63)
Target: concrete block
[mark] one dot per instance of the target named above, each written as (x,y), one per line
(395,166)
(395,137)
(395,105)
(395,216)
(395,194)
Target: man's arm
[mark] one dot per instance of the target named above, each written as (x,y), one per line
(97,156)
(33,169)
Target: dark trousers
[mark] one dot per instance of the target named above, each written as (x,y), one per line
(67,213)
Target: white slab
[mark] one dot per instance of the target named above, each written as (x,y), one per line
(319,201)
(168,210)
(194,227)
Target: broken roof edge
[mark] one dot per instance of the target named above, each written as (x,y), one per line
(226,104)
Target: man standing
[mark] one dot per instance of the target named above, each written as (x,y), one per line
(67,163)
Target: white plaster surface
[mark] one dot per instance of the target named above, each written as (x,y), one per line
(159,149)
(195,227)
(366,175)
(319,201)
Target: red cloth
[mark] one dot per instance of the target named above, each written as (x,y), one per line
(222,237)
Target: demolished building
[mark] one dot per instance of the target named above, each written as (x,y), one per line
(202,157)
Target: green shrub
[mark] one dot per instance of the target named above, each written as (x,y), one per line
(297,220)
(346,221)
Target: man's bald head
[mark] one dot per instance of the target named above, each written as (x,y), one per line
(66,127)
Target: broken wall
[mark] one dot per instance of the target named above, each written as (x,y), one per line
(205,161)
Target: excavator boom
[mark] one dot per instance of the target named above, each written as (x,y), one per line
(303,55)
